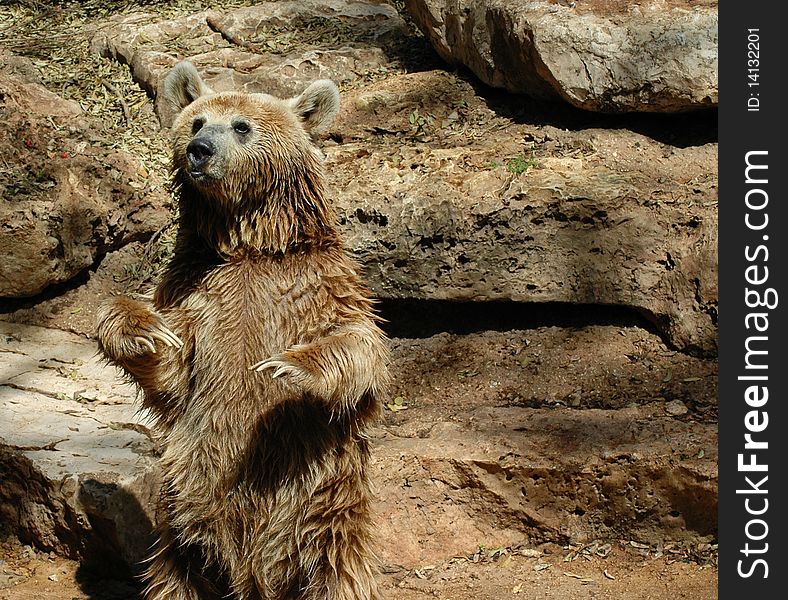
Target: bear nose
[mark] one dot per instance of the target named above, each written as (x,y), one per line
(198,152)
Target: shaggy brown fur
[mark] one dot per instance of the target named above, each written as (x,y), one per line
(260,359)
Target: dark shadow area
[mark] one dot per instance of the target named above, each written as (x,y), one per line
(119,539)
(9,305)
(414,53)
(98,585)
(409,318)
(682,130)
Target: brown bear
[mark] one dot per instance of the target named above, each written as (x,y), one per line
(260,358)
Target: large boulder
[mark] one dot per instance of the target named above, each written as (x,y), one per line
(67,198)
(653,56)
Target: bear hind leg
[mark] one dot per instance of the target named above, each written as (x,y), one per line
(351,579)
(180,571)
(344,564)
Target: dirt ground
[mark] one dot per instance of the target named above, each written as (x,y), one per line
(550,572)
(448,361)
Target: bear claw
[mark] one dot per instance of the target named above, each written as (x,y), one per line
(143,341)
(167,336)
(162,334)
(281,367)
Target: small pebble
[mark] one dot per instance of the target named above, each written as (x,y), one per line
(676,408)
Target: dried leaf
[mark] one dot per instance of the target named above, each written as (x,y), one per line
(397,404)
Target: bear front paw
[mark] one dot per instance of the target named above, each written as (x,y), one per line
(286,364)
(127,328)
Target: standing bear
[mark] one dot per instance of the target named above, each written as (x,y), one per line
(260,359)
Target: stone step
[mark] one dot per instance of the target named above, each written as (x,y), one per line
(453,468)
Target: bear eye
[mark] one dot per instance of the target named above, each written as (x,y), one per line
(241,127)
(197,124)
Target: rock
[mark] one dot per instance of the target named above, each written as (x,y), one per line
(370,21)
(255,48)
(598,216)
(656,56)
(19,67)
(77,462)
(126,270)
(67,200)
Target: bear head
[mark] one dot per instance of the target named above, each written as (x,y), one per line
(251,155)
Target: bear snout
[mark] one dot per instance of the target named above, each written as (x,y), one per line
(198,153)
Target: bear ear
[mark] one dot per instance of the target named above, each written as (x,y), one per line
(317,105)
(183,85)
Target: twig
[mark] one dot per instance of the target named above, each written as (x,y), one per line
(113,90)
(230,37)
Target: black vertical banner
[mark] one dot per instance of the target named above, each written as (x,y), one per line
(753,170)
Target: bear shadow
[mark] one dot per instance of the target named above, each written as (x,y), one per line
(121,536)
